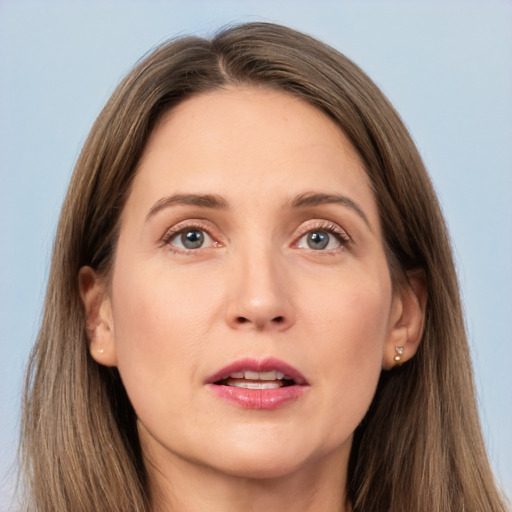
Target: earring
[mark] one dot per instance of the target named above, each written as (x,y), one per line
(101,350)
(399,352)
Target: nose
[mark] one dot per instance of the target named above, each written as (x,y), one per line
(260,294)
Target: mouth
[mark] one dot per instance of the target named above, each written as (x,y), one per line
(253,384)
(249,379)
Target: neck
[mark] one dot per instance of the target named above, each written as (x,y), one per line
(181,485)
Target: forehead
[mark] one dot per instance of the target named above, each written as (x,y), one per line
(249,142)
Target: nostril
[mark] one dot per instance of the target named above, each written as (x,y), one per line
(259,323)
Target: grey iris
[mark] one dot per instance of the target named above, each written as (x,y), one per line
(192,239)
(318,240)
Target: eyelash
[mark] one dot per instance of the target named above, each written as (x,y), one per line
(329,228)
(324,226)
(181,228)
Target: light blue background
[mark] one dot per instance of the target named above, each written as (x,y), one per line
(447,67)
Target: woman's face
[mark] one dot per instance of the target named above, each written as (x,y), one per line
(250,306)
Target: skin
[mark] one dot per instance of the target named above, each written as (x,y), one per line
(169,316)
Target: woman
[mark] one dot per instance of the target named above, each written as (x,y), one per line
(252,301)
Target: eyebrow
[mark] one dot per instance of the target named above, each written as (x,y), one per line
(202,200)
(313,199)
(219,203)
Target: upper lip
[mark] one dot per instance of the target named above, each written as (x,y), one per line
(258,365)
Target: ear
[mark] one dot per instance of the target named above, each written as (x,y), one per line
(407,320)
(98,316)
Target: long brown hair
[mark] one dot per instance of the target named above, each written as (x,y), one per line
(419,448)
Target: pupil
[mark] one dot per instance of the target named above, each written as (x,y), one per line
(192,239)
(318,240)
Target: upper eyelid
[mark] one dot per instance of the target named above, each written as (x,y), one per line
(199,224)
(324,224)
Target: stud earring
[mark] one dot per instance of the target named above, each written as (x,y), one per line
(101,350)
(399,352)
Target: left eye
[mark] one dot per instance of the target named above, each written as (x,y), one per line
(191,239)
(318,240)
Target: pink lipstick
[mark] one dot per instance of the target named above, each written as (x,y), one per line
(252,384)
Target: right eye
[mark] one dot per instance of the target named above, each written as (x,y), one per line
(189,239)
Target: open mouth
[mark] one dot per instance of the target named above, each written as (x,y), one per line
(249,379)
(258,384)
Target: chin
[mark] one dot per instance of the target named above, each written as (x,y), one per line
(258,468)
(262,458)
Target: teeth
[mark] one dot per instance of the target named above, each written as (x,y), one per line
(251,375)
(268,375)
(256,385)
(249,379)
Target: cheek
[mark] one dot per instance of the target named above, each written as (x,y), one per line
(160,325)
(352,349)
(351,313)
(352,327)
(153,308)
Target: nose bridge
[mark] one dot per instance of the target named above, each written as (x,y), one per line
(260,293)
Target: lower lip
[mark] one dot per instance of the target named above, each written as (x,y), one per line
(267,399)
